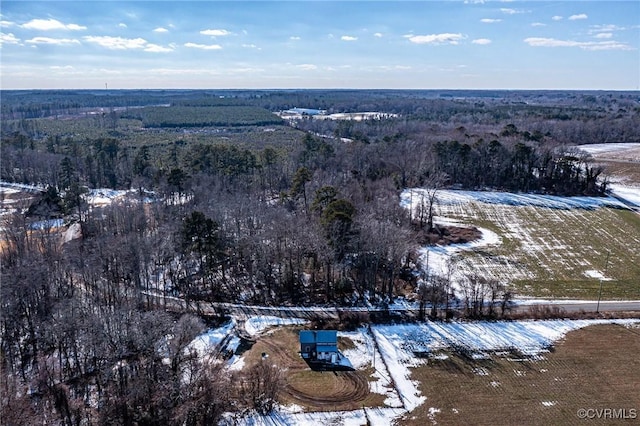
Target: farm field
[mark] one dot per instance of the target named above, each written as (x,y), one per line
(621,161)
(549,247)
(592,368)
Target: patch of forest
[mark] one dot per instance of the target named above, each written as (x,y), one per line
(270,215)
(204,116)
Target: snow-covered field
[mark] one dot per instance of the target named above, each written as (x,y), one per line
(624,184)
(608,148)
(534,237)
(394,349)
(631,194)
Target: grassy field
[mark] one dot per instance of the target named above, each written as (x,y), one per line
(547,252)
(593,368)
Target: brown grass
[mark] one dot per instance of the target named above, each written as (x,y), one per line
(593,368)
(626,171)
(313,390)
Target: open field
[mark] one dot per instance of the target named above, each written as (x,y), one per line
(593,368)
(621,161)
(551,247)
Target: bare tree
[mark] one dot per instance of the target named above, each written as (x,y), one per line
(261,386)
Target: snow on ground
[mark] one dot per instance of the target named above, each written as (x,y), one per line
(528,337)
(398,348)
(398,361)
(599,148)
(412,197)
(535,249)
(365,354)
(373,416)
(12,188)
(592,273)
(399,343)
(631,194)
(103,196)
(207,343)
(435,257)
(236,363)
(258,324)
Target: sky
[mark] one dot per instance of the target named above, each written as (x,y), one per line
(465,44)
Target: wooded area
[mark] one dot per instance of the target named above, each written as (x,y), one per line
(232,204)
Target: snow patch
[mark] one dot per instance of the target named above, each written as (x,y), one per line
(596,274)
(258,324)
(599,148)
(374,416)
(631,194)
(207,343)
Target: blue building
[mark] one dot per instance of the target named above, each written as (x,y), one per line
(320,348)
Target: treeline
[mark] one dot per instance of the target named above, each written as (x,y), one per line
(519,168)
(204,116)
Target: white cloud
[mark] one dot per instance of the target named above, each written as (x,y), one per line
(8,39)
(155,48)
(51,24)
(49,40)
(203,46)
(294,38)
(307,67)
(122,25)
(605,28)
(538,24)
(482,41)
(117,43)
(509,11)
(474,1)
(444,38)
(604,35)
(161,30)
(578,17)
(557,18)
(490,20)
(379,35)
(585,45)
(7,24)
(348,38)
(215,33)
(251,46)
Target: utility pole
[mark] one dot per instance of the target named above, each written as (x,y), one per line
(606,266)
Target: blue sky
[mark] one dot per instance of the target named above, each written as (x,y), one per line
(471,44)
